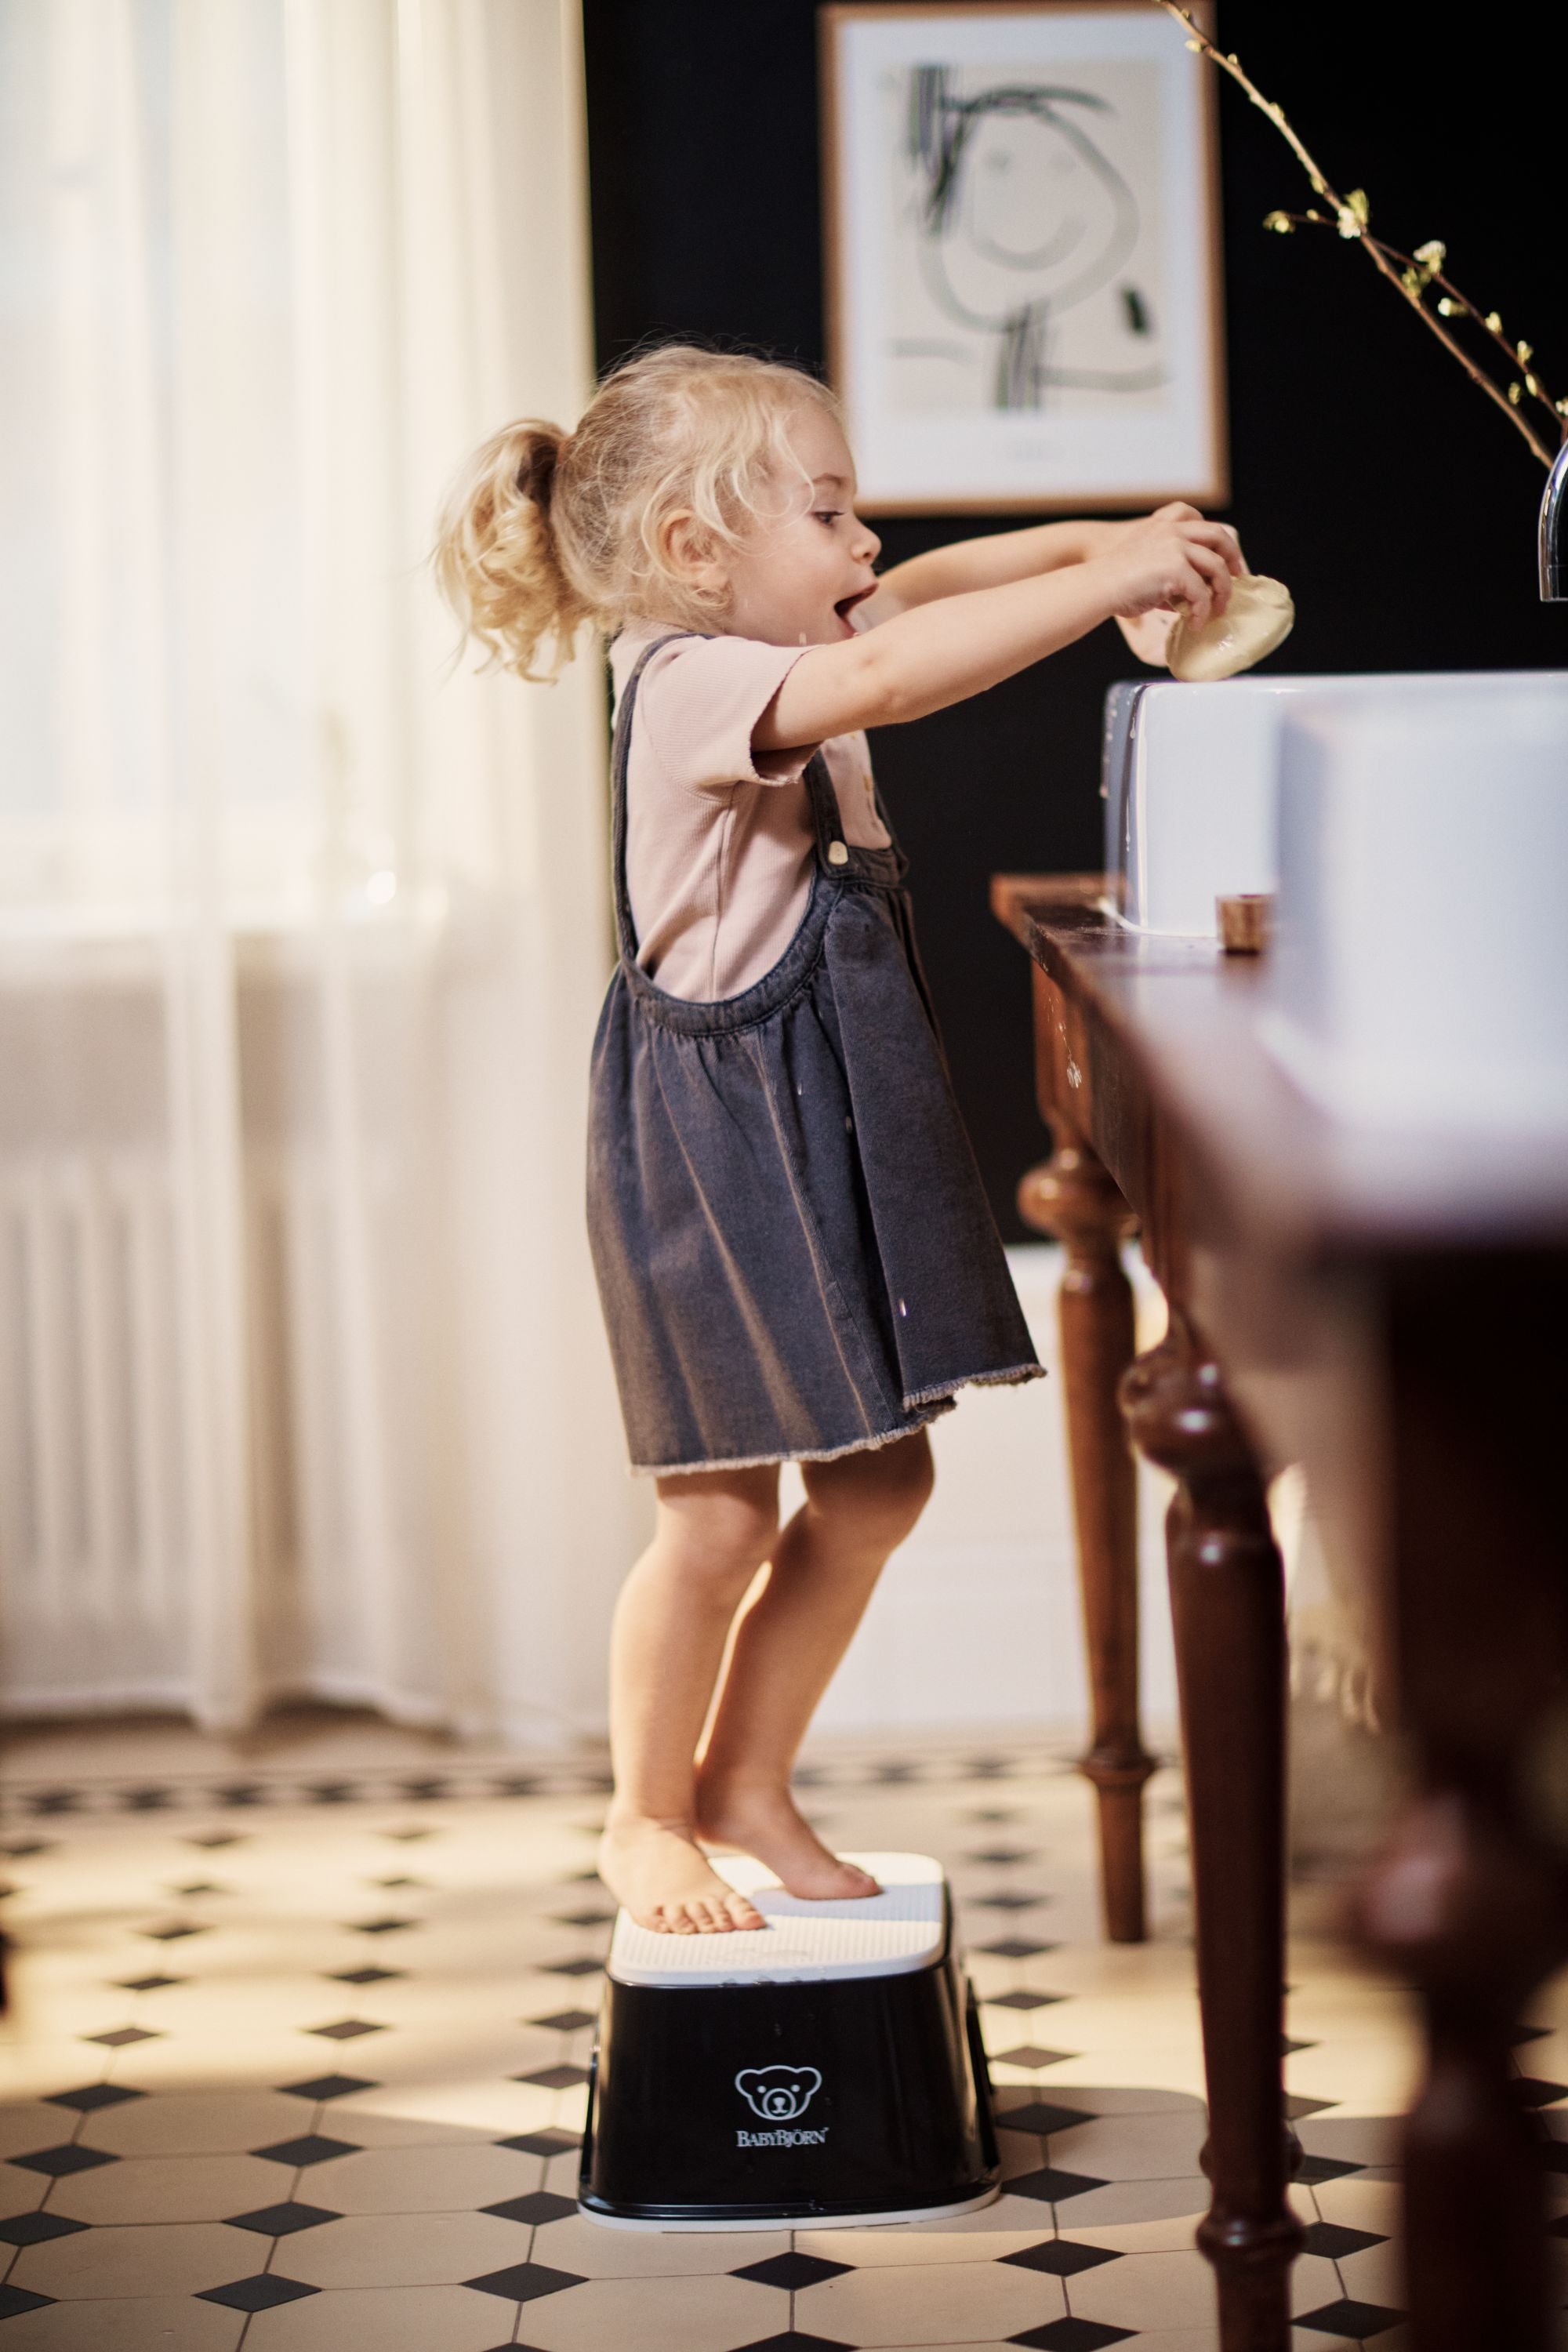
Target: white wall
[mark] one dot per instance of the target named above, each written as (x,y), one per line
(976,1621)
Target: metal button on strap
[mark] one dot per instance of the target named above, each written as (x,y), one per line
(838,855)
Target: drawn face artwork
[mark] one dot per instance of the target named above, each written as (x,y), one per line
(1029,210)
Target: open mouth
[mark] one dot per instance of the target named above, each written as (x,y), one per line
(846,605)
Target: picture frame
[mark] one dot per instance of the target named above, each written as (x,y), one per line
(1022,263)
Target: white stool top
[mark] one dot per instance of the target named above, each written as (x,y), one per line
(804,1941)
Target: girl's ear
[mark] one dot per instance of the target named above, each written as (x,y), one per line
(689,549)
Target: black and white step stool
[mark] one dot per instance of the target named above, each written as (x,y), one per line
(826,2068)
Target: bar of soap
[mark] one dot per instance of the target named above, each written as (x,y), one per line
(1260,616)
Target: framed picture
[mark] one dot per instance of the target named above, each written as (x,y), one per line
(1022,256)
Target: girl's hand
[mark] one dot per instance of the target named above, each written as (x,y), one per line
(1172,559)
(1149,635)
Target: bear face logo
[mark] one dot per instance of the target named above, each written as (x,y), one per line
(778,2093)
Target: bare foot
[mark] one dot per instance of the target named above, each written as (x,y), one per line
(762,1821)
(657,1871)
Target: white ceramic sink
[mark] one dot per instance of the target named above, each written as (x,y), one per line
(1191,776)
(1419,972)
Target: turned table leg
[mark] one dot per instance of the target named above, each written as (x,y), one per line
(1468,1900)
(1227,1608)
(1074,1198)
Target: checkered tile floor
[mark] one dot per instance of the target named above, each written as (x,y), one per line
(298,2060)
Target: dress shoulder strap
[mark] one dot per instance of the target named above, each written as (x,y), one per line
(620,751)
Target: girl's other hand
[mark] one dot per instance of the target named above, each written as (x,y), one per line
(1174,559)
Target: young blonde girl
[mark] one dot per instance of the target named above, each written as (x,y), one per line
(795,1256)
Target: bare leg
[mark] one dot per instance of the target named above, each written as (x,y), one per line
(714,1530)
(788,1645)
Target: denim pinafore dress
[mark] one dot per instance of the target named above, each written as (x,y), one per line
(795,1256)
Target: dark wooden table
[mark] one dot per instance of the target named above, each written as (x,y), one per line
(1388,1310)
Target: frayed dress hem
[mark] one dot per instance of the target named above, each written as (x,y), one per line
(1012,1378)
(926,1407)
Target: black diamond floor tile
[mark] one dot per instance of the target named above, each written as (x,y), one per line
(1072,2336)
(241,1792)
(554,2078)
(15,2300)
(582,1918)
(122,2037)
(92,2096)
(37,2228)
(1051,2187)
(583,1967)
(1287,2048)
(327,2086)
(1537,2093)
(1030,2055)
(410,1836)
(148,1984)
(1063,2257)
(537,2207)
(379,1927)
(265,2292)
(1525,2033)
(792,2340)
(1313,2168)
(215,1838)
(347,2029)
(19,1848)
(525,2282)
(200,1886)
(1349,2317)
(146,1801)
(1039,2116)
(1002,1855)
(365,1976)
(310,2148)
(1020,1947)
(58,2161)
(792,2271)
(282,2220)
(1007,1900)
(551,2141)
(174,1932)
(1332,2238)
(564,2020)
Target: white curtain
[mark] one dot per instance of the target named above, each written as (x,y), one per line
(301,937)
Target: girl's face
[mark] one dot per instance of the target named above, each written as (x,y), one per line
(807,563)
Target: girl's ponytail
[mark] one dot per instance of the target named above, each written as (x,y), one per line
(496,559)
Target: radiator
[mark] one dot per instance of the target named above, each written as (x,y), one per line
(94,1566)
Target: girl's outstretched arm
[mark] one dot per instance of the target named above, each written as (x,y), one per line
(941,652)
(991,561)
(987,562)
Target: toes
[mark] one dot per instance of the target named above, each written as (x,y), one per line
(745,1914)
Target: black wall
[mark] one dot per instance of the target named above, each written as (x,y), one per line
(1366,472)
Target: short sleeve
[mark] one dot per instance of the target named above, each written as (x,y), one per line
(697,703)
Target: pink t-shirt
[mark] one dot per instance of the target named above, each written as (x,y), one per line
(719,839)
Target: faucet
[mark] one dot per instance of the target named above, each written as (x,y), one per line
(1555,532)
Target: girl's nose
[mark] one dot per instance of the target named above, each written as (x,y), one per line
(868,547)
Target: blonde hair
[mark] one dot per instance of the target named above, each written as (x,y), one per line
(543,529)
